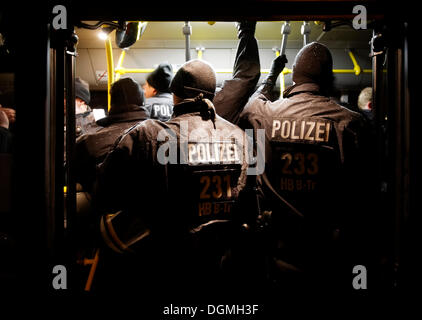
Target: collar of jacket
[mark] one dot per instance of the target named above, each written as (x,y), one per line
(301,88)
(186,106)
(164,94)
(140,114)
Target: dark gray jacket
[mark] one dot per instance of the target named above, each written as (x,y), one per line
(91,149)
(192,188)
(315,160)
(233,96)
(160,106)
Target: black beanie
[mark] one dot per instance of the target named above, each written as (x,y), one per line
(125,93)
(313,63)
(82,90)
(194,77)
(161,77)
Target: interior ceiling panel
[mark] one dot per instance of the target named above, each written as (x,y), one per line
(164,41)
(226,31)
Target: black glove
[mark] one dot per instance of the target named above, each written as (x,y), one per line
(245,27)
(277,66)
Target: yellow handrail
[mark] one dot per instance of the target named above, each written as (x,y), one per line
(110,69)
(122,70)
(119,64)
(356,67)
(200,52)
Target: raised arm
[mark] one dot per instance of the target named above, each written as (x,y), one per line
(269,82)
(231,99)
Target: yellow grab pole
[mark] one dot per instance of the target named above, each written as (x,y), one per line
(120,63)
(199,54)
(356,66)
(110,68)
(122,70)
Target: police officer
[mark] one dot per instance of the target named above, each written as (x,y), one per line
(85,120)
(313,163)
(231,99)
(127,109)
(365,104)
(159,100)
(170,180)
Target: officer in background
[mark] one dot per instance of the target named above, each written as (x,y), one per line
(127,109)
(170,181)
(85,120)
(314,160)
(159,100)
(365,103)
(231,99)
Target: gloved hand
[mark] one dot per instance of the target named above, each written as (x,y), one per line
(245,27)
(277,66)
(269,82)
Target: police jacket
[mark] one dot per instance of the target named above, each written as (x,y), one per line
(313,167)
(233,96)
(85,123)
(170,178)
(91,149)
(160,106)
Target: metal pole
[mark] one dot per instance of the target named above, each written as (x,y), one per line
(70,53)
(305,30)
(187,31)
(285,31)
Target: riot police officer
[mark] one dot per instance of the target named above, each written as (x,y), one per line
(85,120)
(127,109)
(313,165)
(159,100)
(168,181)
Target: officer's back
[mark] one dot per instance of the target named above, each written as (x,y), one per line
(175,179)
(312,165)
